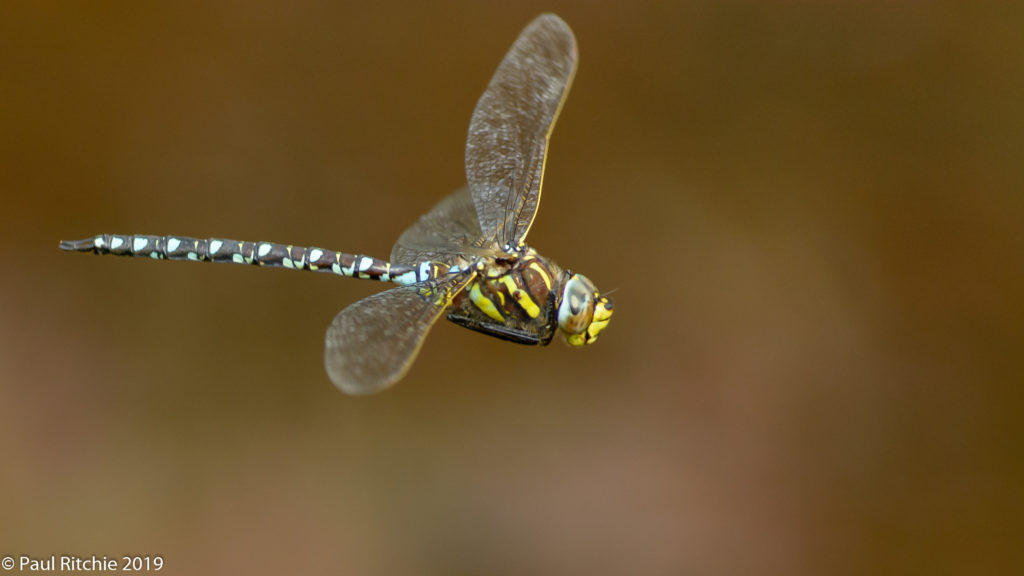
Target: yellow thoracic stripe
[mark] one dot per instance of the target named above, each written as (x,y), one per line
(536,267)
(484,303)
(524,300)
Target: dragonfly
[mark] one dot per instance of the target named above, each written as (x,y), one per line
(465,259)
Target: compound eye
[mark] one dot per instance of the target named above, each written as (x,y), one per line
(577,302)
(577,308)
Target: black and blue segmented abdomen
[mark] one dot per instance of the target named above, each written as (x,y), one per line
(255,253)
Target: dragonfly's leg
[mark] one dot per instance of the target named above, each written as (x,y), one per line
(498,330)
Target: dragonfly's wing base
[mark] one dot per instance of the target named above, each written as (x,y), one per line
(449,233)
(371,344)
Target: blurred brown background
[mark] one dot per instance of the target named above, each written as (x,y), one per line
(812,213)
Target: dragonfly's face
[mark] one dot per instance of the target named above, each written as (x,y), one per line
(583,312)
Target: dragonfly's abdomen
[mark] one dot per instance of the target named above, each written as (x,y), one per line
(256,253)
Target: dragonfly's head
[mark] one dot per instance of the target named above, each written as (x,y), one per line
(583,311)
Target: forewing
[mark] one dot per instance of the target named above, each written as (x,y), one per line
(371,344)
(449,231)
(511,125)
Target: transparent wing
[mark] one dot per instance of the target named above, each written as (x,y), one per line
(511,125)
(445,234)
(371,344)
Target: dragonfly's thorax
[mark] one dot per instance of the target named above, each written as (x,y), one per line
(523,297)
(512,296)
